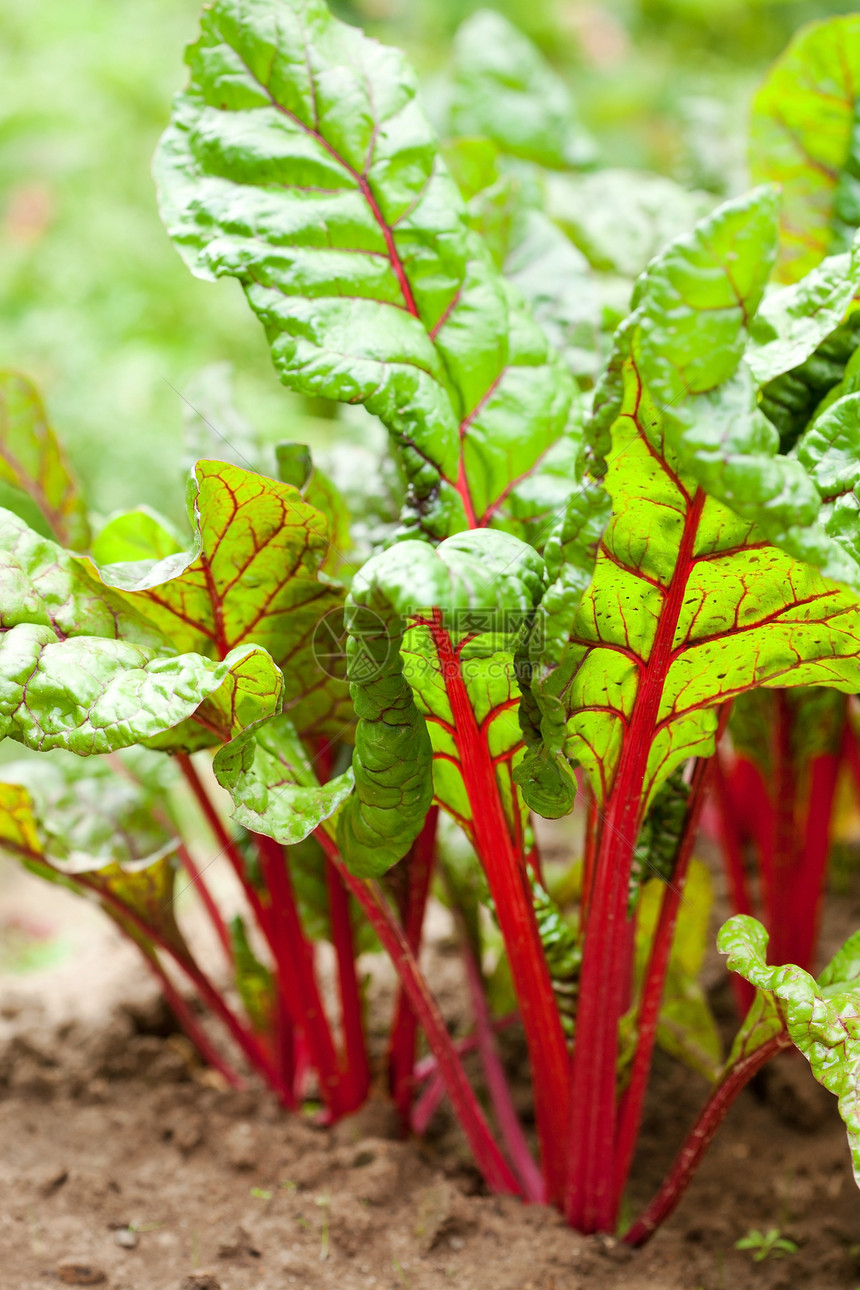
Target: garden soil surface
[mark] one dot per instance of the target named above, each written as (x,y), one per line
(125,1164)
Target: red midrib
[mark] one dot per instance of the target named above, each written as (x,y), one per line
(590,1202)
(508,884)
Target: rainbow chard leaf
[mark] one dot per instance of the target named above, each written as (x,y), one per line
(711,283)
(34,473)
(99,834)
(504,90)
(805,137)
(443,625)
(273,785)
(253,575)
(300,162)
(141,534)
(80,669)
(822,1017)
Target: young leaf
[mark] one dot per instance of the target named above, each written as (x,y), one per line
(132,536)
(80,669)
(253,575)
(804,137)
(272,782)
(300,162)
(822,1017)
(33,463)
(503,90)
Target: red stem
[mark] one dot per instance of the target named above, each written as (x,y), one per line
(808,889)
(404,1031)
(731,843)
(780,869)
(590,1202)
(356,1071)
(296,976)
(699,1139)
(630,1117)
(497,1085)
(509,886)
(487,1155)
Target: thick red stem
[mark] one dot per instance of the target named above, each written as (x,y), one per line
(630,1117)
(404,1031)
(488,1157)
(780,871)
(699,1139)
(296,976)
(808,890)
(591,1201)
(356,1069)
(508,881)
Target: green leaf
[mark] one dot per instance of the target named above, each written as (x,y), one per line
(300,162)
(296,467)
(620,219)
(273,785)
(687,336)
(689,606)
(433,633)
(503,90)
(686,1028)
(830,451)
(96,832)
(804,136)
(131,536)
(793,321)
(32,462)
(253,575)
(80,669)
(822,1018)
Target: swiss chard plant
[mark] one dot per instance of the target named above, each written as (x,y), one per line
(623,583)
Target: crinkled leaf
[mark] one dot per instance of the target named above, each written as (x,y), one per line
(505,91)
(830,451)
(433,634)
(32,462)
(273,785)
(822,1018)
(620,219)
(793,321)
(80,669)
(689,606)
(804,136)
(790,400)
(686,337)
(253,575)
(300,162)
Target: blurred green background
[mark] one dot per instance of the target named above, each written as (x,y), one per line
(96,305)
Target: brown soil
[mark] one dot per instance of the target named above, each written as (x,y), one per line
(123,1164)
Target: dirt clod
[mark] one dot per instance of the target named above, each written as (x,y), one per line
(79,1272)
(201,1281)
(126,1239)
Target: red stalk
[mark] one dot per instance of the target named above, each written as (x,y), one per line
(699,1139)
(630,1117)
(487,1155)
(808,889)
(779,870)
(497,1086)
(356,1070)
(731,843)
(508,881)
(296,977)
(590,1202)
(404,1031)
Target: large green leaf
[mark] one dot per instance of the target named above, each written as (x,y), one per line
(300,162)
(33,463)
(805,137)
(822,1017)
(433,638)
(81,669)
(687,337)
(273,785)
(503,89)
(252,576)
(689,606)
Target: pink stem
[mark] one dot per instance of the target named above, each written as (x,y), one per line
(356,1074)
